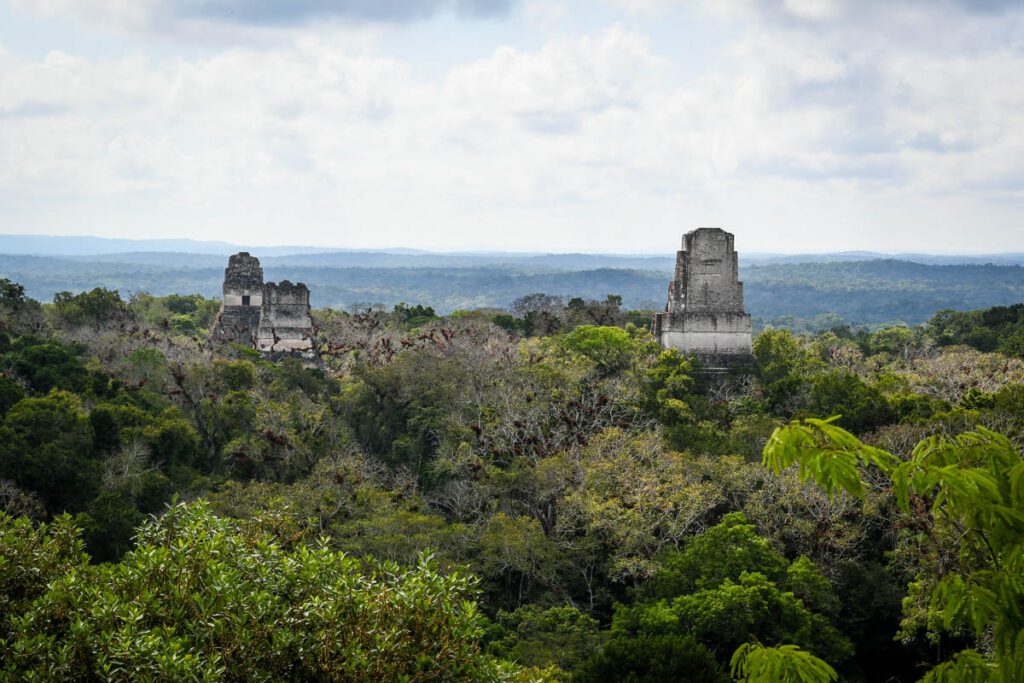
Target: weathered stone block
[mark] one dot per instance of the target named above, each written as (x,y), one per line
(239,314)
(274,318)
(704,316)
(285,322)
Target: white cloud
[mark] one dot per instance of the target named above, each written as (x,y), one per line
(130,13)
(584,143)
(545,14)
(813,9)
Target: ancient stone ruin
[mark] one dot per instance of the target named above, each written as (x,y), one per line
(240,306)
(704,316)
(271,317)
(285,323)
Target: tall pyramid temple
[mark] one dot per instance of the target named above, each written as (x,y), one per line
(704,316)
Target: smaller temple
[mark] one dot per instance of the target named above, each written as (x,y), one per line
(273,318)
(704,316)
(285,321)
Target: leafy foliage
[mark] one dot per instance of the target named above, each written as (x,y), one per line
(601,490)
(754,663)
(973,485)
(95,307)
(727,587)
(651,659)
(200,599)
(560,636)
(996,328)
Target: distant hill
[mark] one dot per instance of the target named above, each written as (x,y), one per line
(535,262)
(1009,259)
(196,253)
(867,291)
(884,290)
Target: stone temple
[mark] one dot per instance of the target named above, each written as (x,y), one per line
(271,317)
(704,316)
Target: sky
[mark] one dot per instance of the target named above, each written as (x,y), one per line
(526,125)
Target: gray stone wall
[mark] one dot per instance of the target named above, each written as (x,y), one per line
(237,324)
(239,315)
(285,320)
(274,318)
(707,274)
(243,276)
(704,315)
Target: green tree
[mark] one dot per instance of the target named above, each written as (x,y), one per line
(31,558)
(12,294)
(652,659)
(533,636)
(783,366)
(724,552)
(10,393)
(1013,345)
(779,355)
(201,598)
(968,488)
(669,393)
(18,313)
(98,307)
(238,375)
(110,525)
(752,608)
(607,312)
(515,552)
(47,365)
(541,314)
(413,316)
(397,411)
(861,407)
(896,341)
(754,663)
(611,349)
(46,446)
(727,587)
(637,498)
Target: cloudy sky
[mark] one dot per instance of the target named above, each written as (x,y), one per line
(553,125)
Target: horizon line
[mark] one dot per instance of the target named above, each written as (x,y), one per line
(469,251)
